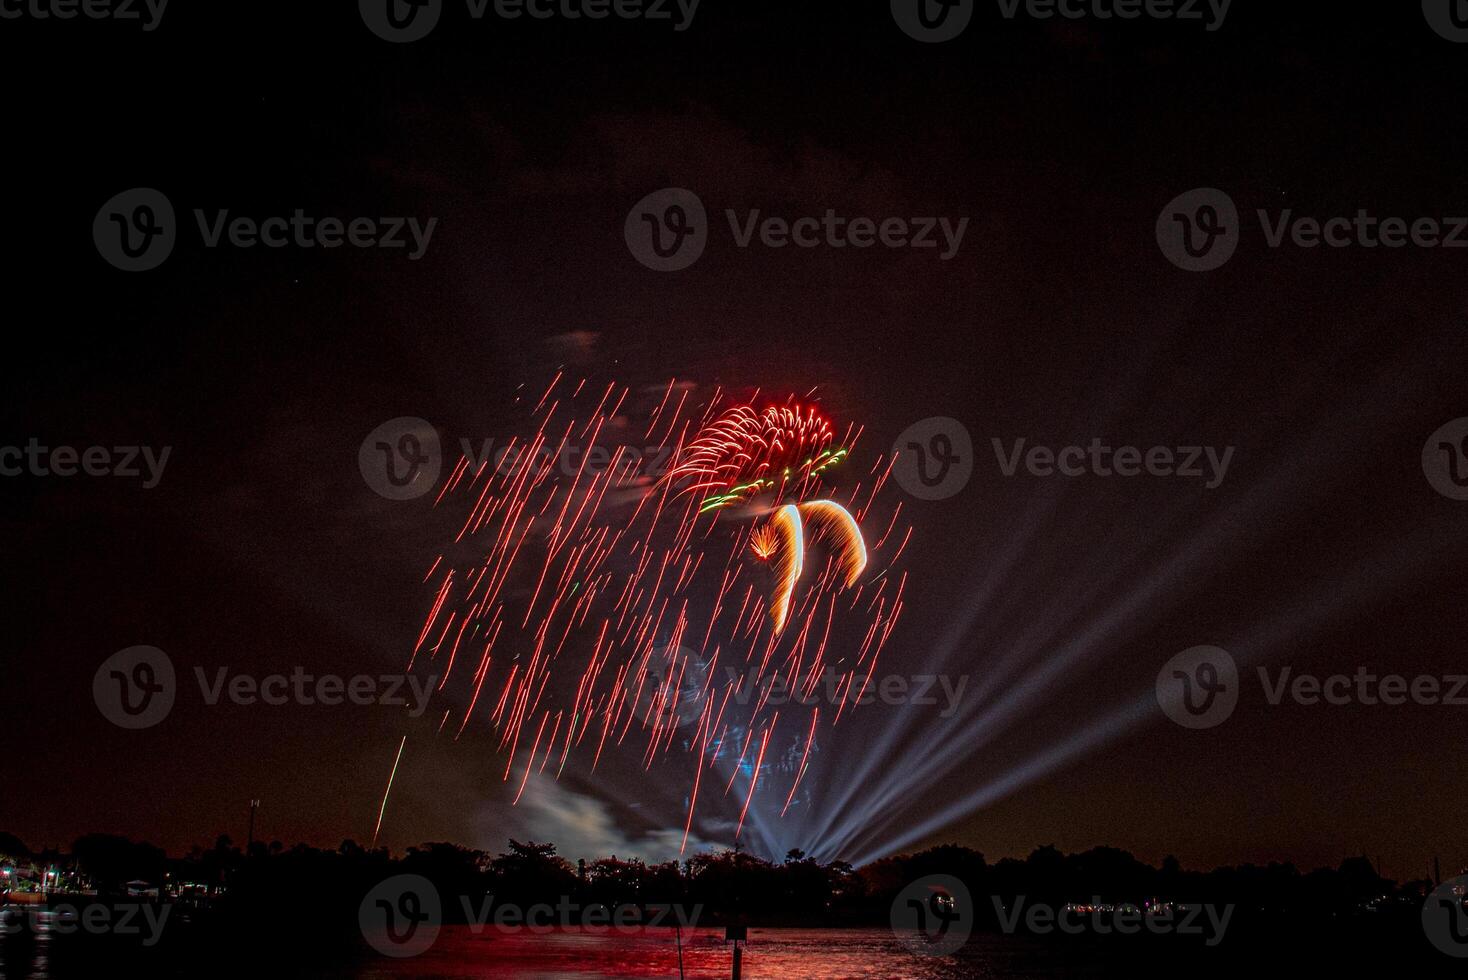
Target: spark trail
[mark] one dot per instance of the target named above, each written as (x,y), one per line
(391,776)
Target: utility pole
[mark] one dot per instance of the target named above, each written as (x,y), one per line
(250,838)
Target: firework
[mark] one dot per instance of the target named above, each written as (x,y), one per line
(744,453)
(784,537)
(590,605)
(391,776)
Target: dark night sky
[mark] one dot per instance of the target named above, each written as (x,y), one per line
(1059,321)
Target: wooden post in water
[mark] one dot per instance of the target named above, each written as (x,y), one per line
(737,935)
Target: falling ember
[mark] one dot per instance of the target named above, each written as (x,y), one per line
(569,602)
(391,776)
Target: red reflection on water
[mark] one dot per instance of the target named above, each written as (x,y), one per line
(495,952)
